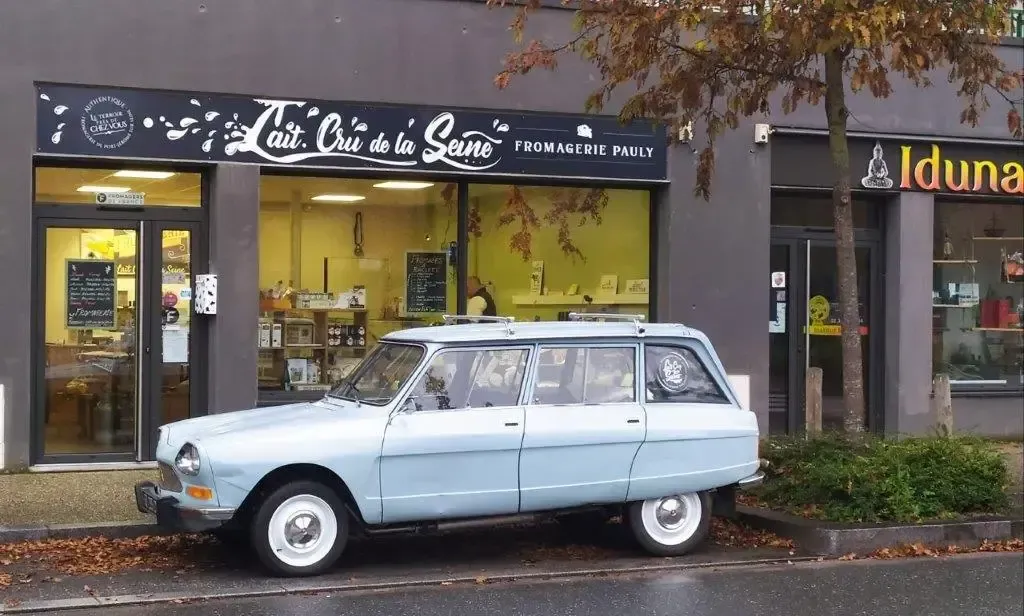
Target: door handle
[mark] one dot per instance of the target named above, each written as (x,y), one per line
(632,421)
(511,424)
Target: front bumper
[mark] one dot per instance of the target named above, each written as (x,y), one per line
(170,513)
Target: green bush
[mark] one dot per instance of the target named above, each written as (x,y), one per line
(876,480)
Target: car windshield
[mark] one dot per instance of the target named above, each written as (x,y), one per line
(381,375)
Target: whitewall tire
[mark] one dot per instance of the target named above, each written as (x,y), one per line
(300,529)
(673,525)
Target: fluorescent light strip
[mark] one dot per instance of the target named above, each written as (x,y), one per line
(341,198)
(403,185)
(144,175)
(103,189)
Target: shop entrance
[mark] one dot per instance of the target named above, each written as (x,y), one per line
(118,351)
(804,327)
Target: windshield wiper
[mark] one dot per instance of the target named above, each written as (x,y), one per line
(347,384)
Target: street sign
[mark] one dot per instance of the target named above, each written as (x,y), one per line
(130,199)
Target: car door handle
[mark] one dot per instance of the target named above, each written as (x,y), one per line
(631,421)
(511,424)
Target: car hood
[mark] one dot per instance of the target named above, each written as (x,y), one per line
(261,420)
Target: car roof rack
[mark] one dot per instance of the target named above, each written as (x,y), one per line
(636,319)
(455,319)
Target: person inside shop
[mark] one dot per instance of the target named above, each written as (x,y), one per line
(480,302)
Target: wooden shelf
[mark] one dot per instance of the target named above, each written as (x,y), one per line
(954,306)
(955,261)
(1019,330)
(986,238)
(619,299)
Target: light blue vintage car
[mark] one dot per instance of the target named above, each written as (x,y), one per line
(484,422)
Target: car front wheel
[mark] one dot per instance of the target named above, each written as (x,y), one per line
(300,529)
(673,525)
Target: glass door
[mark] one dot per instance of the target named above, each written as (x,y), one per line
(87,379)
(822,338)
(170,333)
(116,337)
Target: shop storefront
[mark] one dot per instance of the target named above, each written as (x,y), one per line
(940,255)
(369,218)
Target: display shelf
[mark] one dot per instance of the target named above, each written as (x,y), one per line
(619,299)
(986,238)
(1019,330)
(967,307)
(955,261)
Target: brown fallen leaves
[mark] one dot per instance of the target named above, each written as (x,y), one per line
(102,555)
(919,550)
(733,534)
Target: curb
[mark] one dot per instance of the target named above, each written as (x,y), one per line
(833,539)
(301,588)
(113,530)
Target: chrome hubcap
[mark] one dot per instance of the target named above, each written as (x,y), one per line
(670,513)
(302,530)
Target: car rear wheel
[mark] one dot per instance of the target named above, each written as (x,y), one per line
(672,525)
(300,529)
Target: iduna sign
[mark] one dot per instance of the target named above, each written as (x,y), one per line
(926,168)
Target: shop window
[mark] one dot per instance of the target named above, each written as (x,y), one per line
(978,294)
(344,262)
(118,187)
(539,253)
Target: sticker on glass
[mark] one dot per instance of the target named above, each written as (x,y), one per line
(673,373)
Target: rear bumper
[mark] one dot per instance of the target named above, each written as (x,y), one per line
(751,481)
(172,515)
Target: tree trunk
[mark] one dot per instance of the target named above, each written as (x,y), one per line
(846,260)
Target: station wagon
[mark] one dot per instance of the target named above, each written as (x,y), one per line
(478,421)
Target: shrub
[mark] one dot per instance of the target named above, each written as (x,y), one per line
(876,480)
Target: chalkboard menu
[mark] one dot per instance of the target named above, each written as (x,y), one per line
(426,282)
(91,294)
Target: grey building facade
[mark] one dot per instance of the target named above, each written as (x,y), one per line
(714,265)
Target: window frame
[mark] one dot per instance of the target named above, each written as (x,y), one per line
(706,359)
(600,343)
(421,372)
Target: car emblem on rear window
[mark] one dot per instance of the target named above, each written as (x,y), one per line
(673,372)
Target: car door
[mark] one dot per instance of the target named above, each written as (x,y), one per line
(583,426)
(452,450)
(698,437)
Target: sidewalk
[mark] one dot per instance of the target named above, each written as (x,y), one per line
(56,574)
(86,497)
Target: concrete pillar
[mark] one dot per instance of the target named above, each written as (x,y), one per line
(908,310)
(712,271)
(234,257)
(17,110)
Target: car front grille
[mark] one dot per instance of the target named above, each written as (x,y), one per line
(168,480)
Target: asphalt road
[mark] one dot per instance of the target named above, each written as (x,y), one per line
(974,585)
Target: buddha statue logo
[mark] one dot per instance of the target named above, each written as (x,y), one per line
(878,171)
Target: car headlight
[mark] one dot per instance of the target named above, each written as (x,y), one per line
(187,460)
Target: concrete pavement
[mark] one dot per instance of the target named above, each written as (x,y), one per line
(972,585)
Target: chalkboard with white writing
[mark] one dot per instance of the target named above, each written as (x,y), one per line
(426,282)
(91,294)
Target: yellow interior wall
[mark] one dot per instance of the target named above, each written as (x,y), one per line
(620,245)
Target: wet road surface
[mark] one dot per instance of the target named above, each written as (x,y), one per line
(972,585)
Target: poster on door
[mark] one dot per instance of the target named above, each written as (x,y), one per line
(823,317)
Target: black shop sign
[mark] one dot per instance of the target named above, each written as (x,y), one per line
(129,123)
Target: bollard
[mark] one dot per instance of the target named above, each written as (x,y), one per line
(812,402)
(943,404)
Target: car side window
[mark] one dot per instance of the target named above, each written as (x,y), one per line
(676,374)
(585,375)
(470,378)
